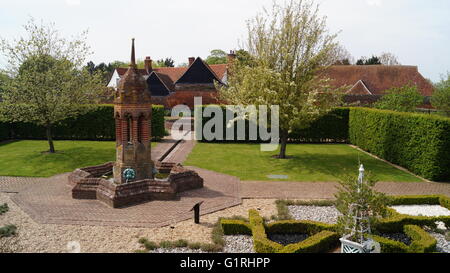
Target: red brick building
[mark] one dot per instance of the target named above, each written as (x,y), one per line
(171,86)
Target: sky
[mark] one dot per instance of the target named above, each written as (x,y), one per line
(416,31)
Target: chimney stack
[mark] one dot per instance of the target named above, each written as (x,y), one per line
(191,60)
(148,64)
(231,57)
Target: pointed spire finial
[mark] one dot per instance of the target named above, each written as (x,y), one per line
(133,59)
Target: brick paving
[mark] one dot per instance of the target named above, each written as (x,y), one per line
(326,190)
(50,202)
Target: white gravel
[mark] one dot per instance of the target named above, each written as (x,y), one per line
(422,210)
(238,244)
(177,250)
(325,214)
(442,244)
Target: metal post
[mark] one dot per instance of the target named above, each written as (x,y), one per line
(196,210)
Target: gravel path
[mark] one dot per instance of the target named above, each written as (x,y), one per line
(422,210)
(41,238)
(327,214)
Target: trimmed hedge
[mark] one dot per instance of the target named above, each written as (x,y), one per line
(321,242)
(97,124)
(332,127)
(294,226)
(417,200)
(397,220)
(261,243)
(235,227)
(421,242)
(321,239)
(418,142)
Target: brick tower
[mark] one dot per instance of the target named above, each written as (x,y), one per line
(132,110)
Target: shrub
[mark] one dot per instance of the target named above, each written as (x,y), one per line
(97,124)
(3,208)
(405,99)
(8,230)
(166,244)
(210,247)
(150,245)
(417,142)
(194,245)
(181,243)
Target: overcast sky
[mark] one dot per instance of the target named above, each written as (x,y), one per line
(417,31)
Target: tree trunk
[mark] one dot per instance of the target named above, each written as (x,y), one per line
(283,140)
(50,139)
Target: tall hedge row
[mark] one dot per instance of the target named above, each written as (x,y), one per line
(332,127)
(95,125)
(418,142)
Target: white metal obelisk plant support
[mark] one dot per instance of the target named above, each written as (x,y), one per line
(360,226)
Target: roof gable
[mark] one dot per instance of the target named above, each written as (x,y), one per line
(198,72)
(359,89)
(156,86)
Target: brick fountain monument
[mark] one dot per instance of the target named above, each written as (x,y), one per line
(132,178)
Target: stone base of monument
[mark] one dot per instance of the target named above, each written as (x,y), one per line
(93,183)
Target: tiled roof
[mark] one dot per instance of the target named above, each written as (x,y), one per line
(359,89)
(198,72)
(169,75)
(377,78)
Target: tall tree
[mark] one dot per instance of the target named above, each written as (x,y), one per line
(48,82)
(289,46)
(403,99)
(217,56)
(4,80)
(167,62)
(441,96)
(387,58)
(374,60)
(343,56)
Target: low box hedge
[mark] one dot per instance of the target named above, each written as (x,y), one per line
(320,242)
(415,200)
(235,227)
(294,226)
(421,241)
(320,238)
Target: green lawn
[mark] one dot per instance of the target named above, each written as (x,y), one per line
(27,157)
(310,162)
